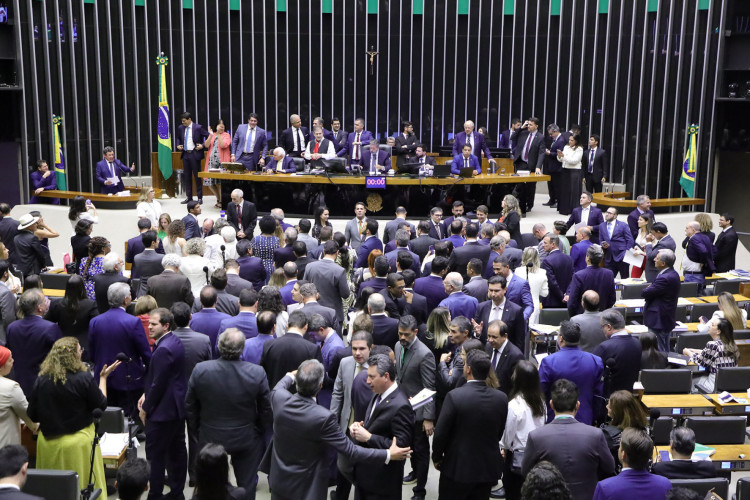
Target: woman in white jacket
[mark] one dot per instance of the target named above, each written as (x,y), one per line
(192,264)
(571,183)
(537,278)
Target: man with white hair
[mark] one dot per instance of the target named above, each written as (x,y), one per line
(213,244)
(241,215)
(457,302)
(698,261)
(476,140)
(281,163)
(170,286)
(112,265)
(295,138)
(278,214)
(285,254)
(229,236)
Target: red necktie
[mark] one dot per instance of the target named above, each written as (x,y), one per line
(239,213)
(316,147)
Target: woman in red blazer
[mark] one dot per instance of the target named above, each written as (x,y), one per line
(216,156)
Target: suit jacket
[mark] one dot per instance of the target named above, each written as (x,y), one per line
(595,220)
(434,231)
(8,232)
(699,249)
(392,417)
(384,330)
(626,351)
(582,368)
(578,254)
(252,270)
(416,372)
(259,148)
(192,229)
(480,145)
(599,279)
(103,172)
(389,233)
(405,154)
(661,301)
(341,399)
(228,402)
(145,265)
(633,221)
(282,255)
(591,330)
(197,348)
(235,284)
(536,148)
(49,183)
(169,287)
(376,283)
(287,165)
(7,312)
(431,287)
(559,269)
(578,450)
(651,250)
(460,304)
(347,148)
(620,241)
(135,247)
(165,383)
(600,167)
(421,245)
(31,339)
(367,246)
(459,163)
(512,316)
(550,163)
(477,287)
(684,469)
(284,354)
(472,420)
(208,321)
(330,280)
(245,321)
(249,217)
(287,139)
(509,358)
(518,291)
(726,249)
(353,234)
(30,256)
(463,254)
(295,461)
(199,137)
(327,312)
(633,483)
(392,257)
(101,285)
(384,158)
(114,332)
(337,137)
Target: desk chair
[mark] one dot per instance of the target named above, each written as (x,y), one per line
(54,485)
(706,310)
(299,164)
(731,286)
(743,488)
(661,430)
(553,316)
(691,340)
(666,381)
(528,240)
(719,485)
(633,291)
(735,379)
(688,289)
(681,314)
(741,335)
(718,430)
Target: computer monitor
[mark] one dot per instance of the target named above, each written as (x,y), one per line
(335,165)
(409,168)
(441,171)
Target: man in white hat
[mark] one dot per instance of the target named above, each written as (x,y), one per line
(30,254)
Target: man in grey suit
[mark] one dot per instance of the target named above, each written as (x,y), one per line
(235,284)
(170,286)
(295,461)
(148,262)
(578,450)
(591,328)
(303,235)
(415,370)
(7,302)
(355,228)
(422,243)
(329,279)
(393,225)
(659,239)
(228,403)
(476,286)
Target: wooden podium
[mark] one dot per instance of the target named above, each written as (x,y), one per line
(168,185)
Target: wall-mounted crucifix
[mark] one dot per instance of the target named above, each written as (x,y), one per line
(372,53)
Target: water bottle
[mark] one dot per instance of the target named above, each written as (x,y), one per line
(223,214)
(502,169)
(307,168)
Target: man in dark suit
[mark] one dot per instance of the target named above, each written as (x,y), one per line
(375,161)
(623,349)
(295,138)
(431,287)
(588,214)
(162,407)
(474,139)
(318,123)
(285,254)
(499,245)
(698,261)
(240,426)
(499,308)
(309,294)
(476,286)
(389,233)
(249,143)
(235,284)
(338,136)
(355,143)
(472,419)
(578,450)
(599,279)
(114,332)
(402,246)
(30,256)
(385,329)
(389,416)
(528,155)
(295,462)
(726,244)
(208,319)
(505,141)
(192,229)
(422,243)
(437,227)
(189,141)
(370,243)
(251,268)
(241,215)
(15,463)
(406,144)
(661,299)
(148,262)
(109,168)
(8,230)
(378,282)
(579,249)
(504,355)
(135,245)
(471,249)
(225,302)
(643,206)
(659,239)
(31,338)
(280,163)
(112,265)
(283,354)
(681,465)
(517,289)
(559,269)
(616,238)
(330,280)
(170,286)
(552,166)
(596,166)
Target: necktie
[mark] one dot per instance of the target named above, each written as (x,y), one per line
(187,134)
(317,145)
(356,147)
(466,163)
(374,405)
(591,162)
(421,160)
(495,354)
(372,164)
(239,215)
(527,147)
(437,228)
(362,226)
(248,140)
(112,168)
(610,228)
(497,313)
(403,355)
(470,141)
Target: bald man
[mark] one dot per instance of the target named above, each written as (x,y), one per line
(294,139)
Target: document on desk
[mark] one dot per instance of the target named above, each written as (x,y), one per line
(632,302)
(112,444)
(631,258)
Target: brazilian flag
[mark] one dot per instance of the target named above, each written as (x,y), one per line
(162,124)
(687,178)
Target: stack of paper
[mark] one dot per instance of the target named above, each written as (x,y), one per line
(636,328)
(681,327)
(546,329)
(421,398)
(112,444)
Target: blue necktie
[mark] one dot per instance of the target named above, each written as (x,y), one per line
(591,162)
(187,130)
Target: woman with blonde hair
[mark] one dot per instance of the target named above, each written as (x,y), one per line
(163,225)
(277,279)
(511,217)
(645,224)
(148,207)
(530,271)
(438,328)
(706,225)
(625,411)
(62,401)
(175,240)
(729,310)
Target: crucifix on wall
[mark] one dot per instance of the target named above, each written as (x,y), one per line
(372,53)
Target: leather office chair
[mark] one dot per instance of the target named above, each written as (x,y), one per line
(661,430)
(54,485)
(731,286)
(718,430)
(633,291)
(743,488)
(113,421)
(553,316)
(688,289)
(299,164)
(719,485)
(691,340)
(529,240)
(666,381)
(734,379)
(681,314)
(385,147)
(699,310)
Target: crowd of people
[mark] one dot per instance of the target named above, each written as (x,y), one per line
(300,351)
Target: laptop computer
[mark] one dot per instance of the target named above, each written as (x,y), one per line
(466,172)
(441,171)
(409,168)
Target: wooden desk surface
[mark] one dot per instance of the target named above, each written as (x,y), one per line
(730,408)
(394,180)
(713,299)
(679,404)
(96,197)
(726,457)
(617,200)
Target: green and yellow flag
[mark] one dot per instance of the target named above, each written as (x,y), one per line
(687,178)
(62,183)
(162,124)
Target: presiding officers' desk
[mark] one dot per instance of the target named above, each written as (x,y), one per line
(728,457)
(679,405)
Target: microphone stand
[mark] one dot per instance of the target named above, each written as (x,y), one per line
(88,490)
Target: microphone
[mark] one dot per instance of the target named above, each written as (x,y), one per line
(223,257)
(653,416)
(97,414)
(205,270)
(121,356)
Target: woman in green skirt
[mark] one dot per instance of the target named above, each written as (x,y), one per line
(62,401)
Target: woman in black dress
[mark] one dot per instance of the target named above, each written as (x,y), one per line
(73,312)
(511,217)
(321,220)
(80,240)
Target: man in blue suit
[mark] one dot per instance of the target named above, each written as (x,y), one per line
(559,269)
(208,320)
(643,207)
(402,245)
(582,368)
(475,140)
(589,215)
(466,160)
(374,160)
(698,261)
(295,138)
(616,239)
(635,481)
(661,299)
(370,243)
(599,279)
(135,246)
(115,332)
(517,290)
(108,168)
(457,302)
(659,239)
(189,140)
(251,268)
(505,142)
(192,229)
(498,308)
(431,287)
(245,321)
(528,155)
(355,143)
(551,165)
(249,144)
(578,251)
(280,163)
(162,407)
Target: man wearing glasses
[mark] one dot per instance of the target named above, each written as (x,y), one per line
(437,228)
